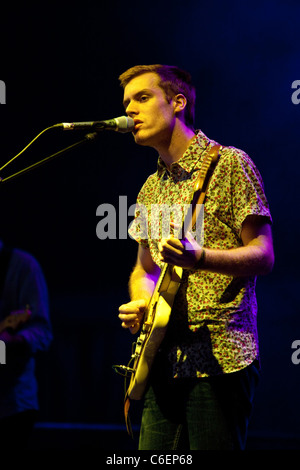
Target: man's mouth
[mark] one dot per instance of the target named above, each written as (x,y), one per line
(137,124)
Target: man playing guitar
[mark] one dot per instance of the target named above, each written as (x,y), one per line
(200,390)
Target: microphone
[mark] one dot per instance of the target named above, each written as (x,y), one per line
(120,124)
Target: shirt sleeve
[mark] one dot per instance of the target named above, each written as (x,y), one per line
(246,188)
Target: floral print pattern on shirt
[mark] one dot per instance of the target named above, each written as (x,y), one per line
(213,325)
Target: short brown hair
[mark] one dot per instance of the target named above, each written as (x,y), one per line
(173,81)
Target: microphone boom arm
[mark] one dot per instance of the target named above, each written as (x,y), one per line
(121,124)
(87,138)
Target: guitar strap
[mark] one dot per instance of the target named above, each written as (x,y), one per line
(210,153)
(211,158)
(5,255)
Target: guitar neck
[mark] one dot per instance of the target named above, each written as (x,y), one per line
(158,288)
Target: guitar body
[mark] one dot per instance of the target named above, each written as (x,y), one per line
(153,330)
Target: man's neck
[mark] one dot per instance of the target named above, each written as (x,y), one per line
(180,141)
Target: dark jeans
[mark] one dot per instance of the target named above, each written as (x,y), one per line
(198,414)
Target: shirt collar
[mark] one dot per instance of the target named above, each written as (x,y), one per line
(188,161)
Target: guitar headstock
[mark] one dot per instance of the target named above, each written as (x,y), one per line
(16,319)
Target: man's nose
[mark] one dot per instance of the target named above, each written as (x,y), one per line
(131,110)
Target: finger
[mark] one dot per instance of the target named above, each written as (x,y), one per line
(175,227)
(171,256)
(128,320)
(134,306)
(126,311)
(128,316)
(175,243)
(171,245)
(134,328)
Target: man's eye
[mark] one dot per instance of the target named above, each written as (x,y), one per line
(143,98)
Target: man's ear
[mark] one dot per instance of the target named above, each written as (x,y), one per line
(179,103)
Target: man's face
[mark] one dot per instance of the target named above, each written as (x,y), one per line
(146,103)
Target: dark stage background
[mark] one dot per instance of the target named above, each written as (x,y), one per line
(60,62)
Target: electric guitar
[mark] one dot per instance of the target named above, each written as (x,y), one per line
(159,309)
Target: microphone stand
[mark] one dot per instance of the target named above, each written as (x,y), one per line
(87,138)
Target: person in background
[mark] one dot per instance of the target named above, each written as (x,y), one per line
(202,383)
(25,330)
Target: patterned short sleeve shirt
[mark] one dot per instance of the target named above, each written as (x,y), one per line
(213,325)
